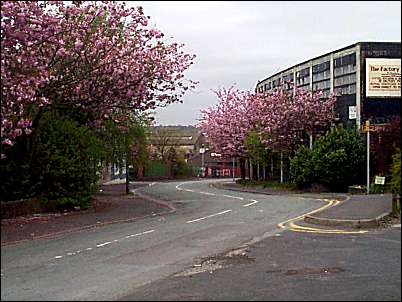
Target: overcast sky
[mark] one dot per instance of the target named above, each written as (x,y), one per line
(241,42)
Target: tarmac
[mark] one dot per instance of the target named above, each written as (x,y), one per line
(351,211)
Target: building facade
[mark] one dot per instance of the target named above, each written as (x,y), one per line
(365,77)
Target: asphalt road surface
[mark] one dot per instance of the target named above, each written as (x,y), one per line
(115,261)
(292,267)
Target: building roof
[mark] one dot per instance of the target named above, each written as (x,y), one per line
(175,135)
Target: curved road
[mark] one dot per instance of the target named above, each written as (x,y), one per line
(110,262)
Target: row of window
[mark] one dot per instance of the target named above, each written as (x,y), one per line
(344,90)
(345,60)
(303,81)
(322,85)
(344,70)
(344,80)
(321,67)
(344,73)
(321,76)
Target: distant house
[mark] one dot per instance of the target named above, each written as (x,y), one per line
(184,139)
(215,165)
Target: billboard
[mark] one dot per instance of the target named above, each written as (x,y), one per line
(383,77)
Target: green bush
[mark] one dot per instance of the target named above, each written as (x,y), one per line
(182,169)
(59,163)
(66,161)
(336,161)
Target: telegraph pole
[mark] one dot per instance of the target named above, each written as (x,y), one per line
(367,129)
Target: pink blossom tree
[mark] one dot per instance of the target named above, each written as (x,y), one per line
(101,59)
(228,122)
(281,120)
(286,119)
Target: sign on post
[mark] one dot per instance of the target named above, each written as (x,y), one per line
(352,112)
(379,180)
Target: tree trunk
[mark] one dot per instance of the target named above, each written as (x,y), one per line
(242,168)
(127,176)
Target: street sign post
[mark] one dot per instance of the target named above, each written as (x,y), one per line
(202,152)
(367,129)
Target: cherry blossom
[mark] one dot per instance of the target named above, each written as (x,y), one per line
(99,57)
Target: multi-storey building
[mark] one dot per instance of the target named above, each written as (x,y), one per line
(365,77)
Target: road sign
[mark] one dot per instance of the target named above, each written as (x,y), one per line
(352,112)
(202,150)
(379,180)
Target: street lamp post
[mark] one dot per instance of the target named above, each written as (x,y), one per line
(233,168)
(202,151)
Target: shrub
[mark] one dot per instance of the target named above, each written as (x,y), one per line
(59,164)
(182,169)
(336,161)
(66,161)
(396,173)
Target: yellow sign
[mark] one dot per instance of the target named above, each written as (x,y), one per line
(383,77)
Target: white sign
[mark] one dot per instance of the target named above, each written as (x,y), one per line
(202,150)
(352,112)
(383,77)
(379,180)
(215,154)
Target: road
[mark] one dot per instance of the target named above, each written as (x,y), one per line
(111,262)
(293,267)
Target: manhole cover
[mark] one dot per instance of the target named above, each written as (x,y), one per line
(311,271)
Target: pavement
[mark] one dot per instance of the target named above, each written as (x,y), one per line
(113,206)
(351,210)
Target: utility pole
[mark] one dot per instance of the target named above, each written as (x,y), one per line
(367,129)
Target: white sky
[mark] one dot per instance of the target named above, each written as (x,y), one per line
(241,42)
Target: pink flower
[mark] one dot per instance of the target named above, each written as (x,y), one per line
(78,44)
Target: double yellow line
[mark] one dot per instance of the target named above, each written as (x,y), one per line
(290,223)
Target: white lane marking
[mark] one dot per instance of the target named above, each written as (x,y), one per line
(188,190)
(207,193)
(235,197)
(202,218)
(89,248)
(103,244)
(139,234)
(250,204)
(58,257)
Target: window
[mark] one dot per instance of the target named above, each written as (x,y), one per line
(345,90)
(321,85)
(321,67)
(303,77)
(344,80)
(345,65)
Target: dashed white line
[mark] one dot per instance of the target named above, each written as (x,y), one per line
(252,203)
(103,244)
(202,218)
(207,193)
(235,197)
